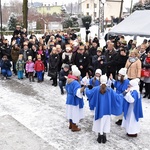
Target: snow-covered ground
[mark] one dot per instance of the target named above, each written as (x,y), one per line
(41,108)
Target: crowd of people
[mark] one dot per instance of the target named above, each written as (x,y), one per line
(84,69)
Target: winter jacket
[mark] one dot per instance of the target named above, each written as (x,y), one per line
(53,62)
(134,71)
(39,66)
(5,64)
(62,75)
(14,54)
(20,65)
(30,66)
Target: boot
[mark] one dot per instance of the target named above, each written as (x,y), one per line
(75,128)
(29,78)
(70,125)
(99,139)
(104,138)
(132,135)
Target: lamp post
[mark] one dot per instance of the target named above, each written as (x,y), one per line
(101,17)
(44,25)
(1,17)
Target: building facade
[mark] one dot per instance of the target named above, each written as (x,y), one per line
(91,7)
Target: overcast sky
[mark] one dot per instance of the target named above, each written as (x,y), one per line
(127,3)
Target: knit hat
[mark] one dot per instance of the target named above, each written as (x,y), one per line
(123,71)
(98,71)
(134,82)
(103,79)
(134,85)
(75,71)
(29,57)
(66,66)
(99,49)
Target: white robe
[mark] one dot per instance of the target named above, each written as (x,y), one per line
(102,125)
(130,124)
(74,112)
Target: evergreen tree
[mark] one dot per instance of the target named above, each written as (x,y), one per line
(12,22)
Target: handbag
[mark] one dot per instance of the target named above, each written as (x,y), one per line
(52,74)
(145,72)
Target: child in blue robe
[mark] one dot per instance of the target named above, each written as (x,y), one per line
(132,109)
(105,102)
(95,81)
(74,100)
(120,85)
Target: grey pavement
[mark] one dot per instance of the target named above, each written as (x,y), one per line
(15,136)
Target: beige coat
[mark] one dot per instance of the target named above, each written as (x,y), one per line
(134,71)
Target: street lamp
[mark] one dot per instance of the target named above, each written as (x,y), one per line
(101,17)
(1,17)
(44,25)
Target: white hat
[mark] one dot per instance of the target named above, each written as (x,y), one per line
(123,71)
(103,79)
(134,82)
(29,57)
(75,71)
(98,71)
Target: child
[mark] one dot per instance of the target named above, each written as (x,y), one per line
(132,109)
(105,102)
(74,102)
(63,77)
(20,66)
(5,67)
(95,81)
(30,68)
(39,68)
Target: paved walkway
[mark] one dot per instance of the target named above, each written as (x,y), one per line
(15,136)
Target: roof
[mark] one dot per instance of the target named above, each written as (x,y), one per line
(137,24)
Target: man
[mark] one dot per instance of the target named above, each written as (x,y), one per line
(63,77)
(82,60)
(111,60)
(93,51)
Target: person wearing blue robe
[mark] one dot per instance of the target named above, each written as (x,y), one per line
(95,81)
(74,101)
(105,102)
(120,85)
(132,109)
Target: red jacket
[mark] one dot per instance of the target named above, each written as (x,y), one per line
(39,66)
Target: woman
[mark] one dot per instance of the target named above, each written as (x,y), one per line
(74,102)
(105,102)
(133,66)
(53,65)
(132,109)
(146,64)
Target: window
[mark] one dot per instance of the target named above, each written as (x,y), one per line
(87,6)
(87,13)
(95,5)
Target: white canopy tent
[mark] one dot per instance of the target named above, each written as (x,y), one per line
(137,24)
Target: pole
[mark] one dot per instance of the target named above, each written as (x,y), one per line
(1,18)
(99,19)
(121,7)
(44,27)
(131,6)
